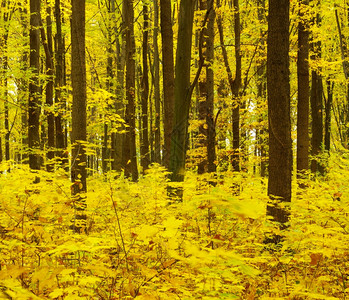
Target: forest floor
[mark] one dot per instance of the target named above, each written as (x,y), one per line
(140,245)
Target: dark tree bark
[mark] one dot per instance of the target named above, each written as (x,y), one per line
(201,145)
(316,103)
(157,139)
(59,83)
(144,137)
(317,122)
(168,76)
(344,119)
(5,66)
(34,89)
(328,108)
(206,87)
(278,85)
(236,90)
(78,134)
(47,42)
(129,151)
(23,86)
(4,76)
(262,95)
(303,91)
(183,91)
(117,139)
(234,83)
(106,151)
(211,130)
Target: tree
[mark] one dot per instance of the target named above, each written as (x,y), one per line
(144,147)
(156,79)
(47,42)
(59,82)
(129,151)
(316,108)
(34,88)
(168,75)
(78,134)
(183,91)
(303,91)
(262,93)
(234,83)
(6,17)
(206,86)
(23,84)
(278,86)
(117,139)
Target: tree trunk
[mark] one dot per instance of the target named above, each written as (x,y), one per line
(211,130)
(328,108)
(78,134)
(261,96)
(236,90)
(234,84)
(117,139)
(316,110)
(23,87)
(34,89)
(278,85)
(317,122)
(129,151)
(157,140)
(206,88)
(106,153)
(182,91)
(168,76)
(144,137)
(303,92)
(6,96)
(47,42)
(59,83)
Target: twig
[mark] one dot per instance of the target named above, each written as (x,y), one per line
(119,225)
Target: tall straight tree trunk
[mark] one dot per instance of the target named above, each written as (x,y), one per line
(106,153)
(117,139)
(206,87)
(328,108)
(168,76)
(234,83)
(34,89)
(129,151)
(5,67)
(278,85)
(6,96)
(316,103)
(236,90)
(201,40)
(261,95)
(23,87)
(317,122)
(144,137)
(211,130)
(157,139)
(47,42)
(303,91)
(59,83)
(78,134)
(182,91)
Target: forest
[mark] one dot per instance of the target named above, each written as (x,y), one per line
(174,149)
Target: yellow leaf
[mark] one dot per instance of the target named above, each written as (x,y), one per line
(56,293)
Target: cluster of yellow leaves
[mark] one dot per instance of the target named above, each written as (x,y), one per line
(140,245)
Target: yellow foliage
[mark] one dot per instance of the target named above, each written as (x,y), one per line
(208,246)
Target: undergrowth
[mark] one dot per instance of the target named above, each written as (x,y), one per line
(140,245)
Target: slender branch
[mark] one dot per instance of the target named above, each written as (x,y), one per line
(342,46)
